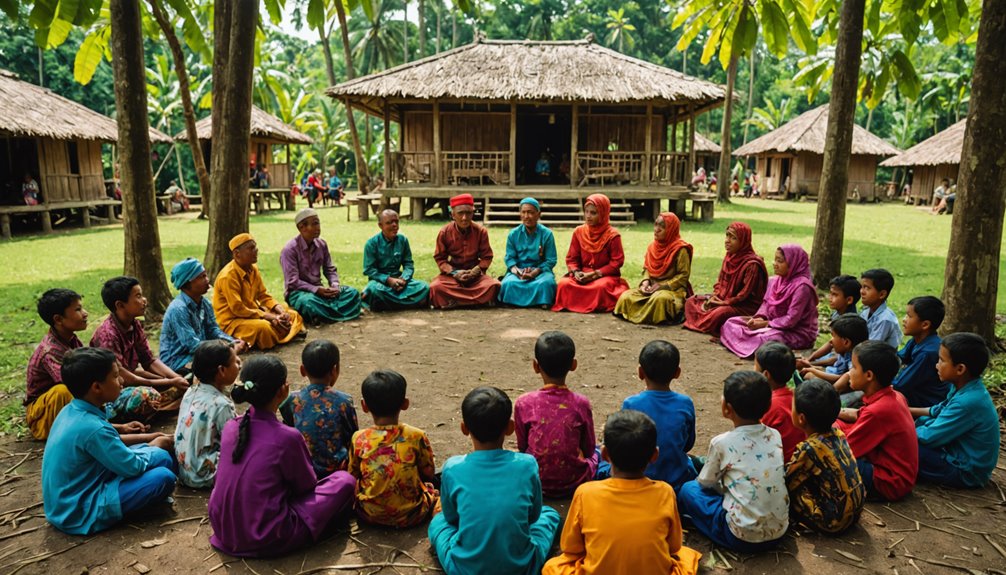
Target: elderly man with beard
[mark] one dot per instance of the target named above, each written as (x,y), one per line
(387,263)
(463,255)
(530,257)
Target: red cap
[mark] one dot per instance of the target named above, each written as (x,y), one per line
(462,200)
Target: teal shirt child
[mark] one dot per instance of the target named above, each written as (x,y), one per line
(965,428)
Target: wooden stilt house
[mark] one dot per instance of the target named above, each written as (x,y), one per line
(931,161)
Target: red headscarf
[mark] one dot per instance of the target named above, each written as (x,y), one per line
(731,273)
(594,238)
(661,252)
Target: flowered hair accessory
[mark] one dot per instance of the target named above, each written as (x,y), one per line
(249,385)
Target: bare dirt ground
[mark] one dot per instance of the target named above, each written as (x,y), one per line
(443,355)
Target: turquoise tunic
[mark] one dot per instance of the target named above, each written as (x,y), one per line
(529,250)
(383,259)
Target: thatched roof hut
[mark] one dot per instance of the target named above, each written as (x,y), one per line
(264,126)
(704,145)
(932,160)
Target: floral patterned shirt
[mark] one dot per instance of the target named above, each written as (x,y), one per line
(824,483)
(391,464)
(327,420)
(201,419)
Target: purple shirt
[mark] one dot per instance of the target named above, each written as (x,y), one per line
(556,426)
(129,344)
(303,263)
(45,364)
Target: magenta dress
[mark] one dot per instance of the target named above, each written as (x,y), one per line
(270,502)
(790,306)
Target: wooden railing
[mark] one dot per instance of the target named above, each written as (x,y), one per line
(669,168)
(475,168)
(609,167)
(414,167)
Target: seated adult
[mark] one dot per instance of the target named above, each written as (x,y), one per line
(315,187)
(29,191)
(543,167)
(939,197)
(463,255)
(303,260)
(739,290)
(242,305)
(661,295)
(189,319)
(787,315)
(530,257)
(335,187)
(594,260)
(387,263)
(177,197)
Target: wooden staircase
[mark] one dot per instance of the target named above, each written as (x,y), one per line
(555,213)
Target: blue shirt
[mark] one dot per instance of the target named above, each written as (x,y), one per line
(918,380)
(334,182)
(674,415)
(383,259)
(186,325)
(327,420)
(843,361)
(84,462)
(883,325)
(965,427)
(531,250)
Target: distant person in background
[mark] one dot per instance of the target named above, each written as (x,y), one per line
(315,188)
(699,177)
(177,197)
(939,197)
(336,189)
(29,191)
(543,167)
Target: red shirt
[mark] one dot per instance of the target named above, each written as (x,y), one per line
(462,250)
(608,261)
(780,418)
(884,434)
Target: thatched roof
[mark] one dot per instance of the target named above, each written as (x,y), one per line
(806,132)
(943,148)
(509,70)
(704,145)
(263,125)
(31,111)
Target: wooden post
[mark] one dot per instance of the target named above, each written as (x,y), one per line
(416,208)
(573,144)
(691,140)
(289,201)
(85,215)
(513,144)
(5,226)
(46,222)
(674,130)
(437,176)
(387,145)
(648,145)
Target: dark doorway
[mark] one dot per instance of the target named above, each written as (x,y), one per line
(17,156)
(543,135)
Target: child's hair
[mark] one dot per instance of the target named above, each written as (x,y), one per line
(209,357)
(748,393)
(929,308)
(851,327)
(880,358)
(319,358)
(630,437)
(84,366)
(555,352)
(970,349)
(117,289)
(660,361)
(777,359)
(819,402)
(261,378)
(881,278)
(54,302)
(384,392)
(486,411)
(848,285)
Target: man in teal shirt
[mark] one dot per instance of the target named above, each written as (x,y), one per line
(387,263)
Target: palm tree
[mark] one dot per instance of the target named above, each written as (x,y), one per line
(770,116)
(620,30)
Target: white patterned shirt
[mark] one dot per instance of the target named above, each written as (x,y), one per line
(201,419)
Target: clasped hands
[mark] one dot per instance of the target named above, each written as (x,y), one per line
(468,276)
(279,319)
(397,284)
(755,322)
(585,278)
(525,273)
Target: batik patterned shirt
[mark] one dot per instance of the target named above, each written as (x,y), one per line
(129,344)
(201,419)
(327,420)
(556,426)
(391,464)
(825,488)
(45,364)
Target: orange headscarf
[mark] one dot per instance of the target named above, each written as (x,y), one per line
(594,238)
(661,253)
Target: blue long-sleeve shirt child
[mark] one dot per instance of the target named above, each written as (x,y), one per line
(674,415)
(965,427)
(918,380)
(883,325)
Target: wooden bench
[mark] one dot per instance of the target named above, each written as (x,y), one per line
(261,198)
(703,207)
(44,211)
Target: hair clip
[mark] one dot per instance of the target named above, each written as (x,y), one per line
(248,385)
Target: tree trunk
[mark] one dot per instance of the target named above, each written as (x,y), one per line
(723,179)
(422,29)
(826,255)
(139,210)
(751,82)
(362,172)
(440,9)
(972,274)
(233,63)
(454,30)
(326,49)
(405,31)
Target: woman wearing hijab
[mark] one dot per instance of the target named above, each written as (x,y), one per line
(739,290)
(530,257)
(668,264)
(788,314)
(595,258)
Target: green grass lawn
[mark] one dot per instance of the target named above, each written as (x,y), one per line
(907,241)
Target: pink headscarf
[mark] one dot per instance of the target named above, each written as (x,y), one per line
(784,288)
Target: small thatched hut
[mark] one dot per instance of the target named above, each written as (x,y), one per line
(791,157)
(931,160)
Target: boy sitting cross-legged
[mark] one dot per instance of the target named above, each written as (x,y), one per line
(776,362)
(493,521)
(843,294)
(918,379)
(847,331)
(627,524)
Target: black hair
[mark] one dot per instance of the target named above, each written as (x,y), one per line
(209,357)
(881,278)
(384,392)
(852,327)
(819,402)
(748,393)
(929,308)
(660,360)
(555,352)
(84,366)
(777,359)
(117,289)
(848,285)
(55,302)
(319,357)
(630,437)
(262,376)
(969,349)
(880,358)
(486,412)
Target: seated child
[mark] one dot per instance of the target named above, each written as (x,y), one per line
(918,379)
(673,413)
(605,531)
(267,500)
(492,520)
(554,424)
(959,437)
(323,415)
(90,478)
(847,331)
(204,412)
(826,491)
(739,500)
(883,324)
(777,363)
(392,462)
(843,294)
(881,433)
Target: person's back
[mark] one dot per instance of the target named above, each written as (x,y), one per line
(777,363)
(327,420)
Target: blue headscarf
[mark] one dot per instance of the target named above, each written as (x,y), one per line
(185,271)
(531,201)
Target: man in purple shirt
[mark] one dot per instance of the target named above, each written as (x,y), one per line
(304,260)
